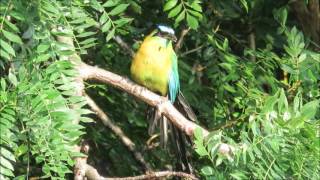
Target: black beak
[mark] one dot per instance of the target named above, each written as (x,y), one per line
(173,38)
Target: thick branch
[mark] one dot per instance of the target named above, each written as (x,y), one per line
(308,16)
(92,173)
(117,131)
(167,109)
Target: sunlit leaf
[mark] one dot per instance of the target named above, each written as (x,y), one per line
(119,9)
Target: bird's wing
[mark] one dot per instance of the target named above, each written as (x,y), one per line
(174,84)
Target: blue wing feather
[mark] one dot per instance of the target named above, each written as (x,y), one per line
(174,84)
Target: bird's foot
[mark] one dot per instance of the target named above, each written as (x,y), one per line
(160,107)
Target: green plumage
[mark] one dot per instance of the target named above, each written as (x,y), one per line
(155,66)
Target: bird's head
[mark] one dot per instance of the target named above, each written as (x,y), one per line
(166,32)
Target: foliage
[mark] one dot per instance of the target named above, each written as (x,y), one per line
(260,104)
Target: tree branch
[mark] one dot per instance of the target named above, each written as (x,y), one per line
(252,41)
(308,15)
(181,38)
(165,107)
(124,45)
(92,173)
(117,131)
(191,51)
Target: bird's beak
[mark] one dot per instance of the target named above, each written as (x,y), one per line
(173,38)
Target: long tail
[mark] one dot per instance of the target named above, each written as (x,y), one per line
(179,139)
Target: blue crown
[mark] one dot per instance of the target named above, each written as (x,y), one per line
(166,29)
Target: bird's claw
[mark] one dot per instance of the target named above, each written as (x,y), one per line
(160,107)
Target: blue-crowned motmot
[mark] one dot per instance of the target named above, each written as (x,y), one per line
(155,66)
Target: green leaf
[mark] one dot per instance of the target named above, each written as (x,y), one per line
(239,175)
(12,26)
(87,41)
(7,47)
(4,54)
(175,11)
(7,154)
(111,3)
(283,102)
(219,161)
(118,9)
(86,34)
(207,171)
(50,7)
(42,58)
(196,6)
(103,18)
(192,21)
(43,47)
(86,120)
(288,69)
(122,21)
(3,84)
(196,14)
(5,163)
(308,111)
(13,79)
(6,172)
(110,34)
(170,4)
(201,150)
(106,26)
(180,17)
(245,5)
(198,134)
(12,37)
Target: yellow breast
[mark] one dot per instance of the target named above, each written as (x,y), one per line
(152,64)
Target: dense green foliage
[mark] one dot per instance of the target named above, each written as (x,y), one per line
(250,73)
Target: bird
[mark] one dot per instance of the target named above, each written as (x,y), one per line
(155,66)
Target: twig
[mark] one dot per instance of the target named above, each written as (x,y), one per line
(117,131)
(226,125)
(164,106)
(124,45)
(191,51)
(252,42)
(179,43)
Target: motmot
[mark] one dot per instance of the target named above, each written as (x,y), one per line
(155,66)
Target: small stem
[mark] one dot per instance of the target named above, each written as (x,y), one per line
(4,15)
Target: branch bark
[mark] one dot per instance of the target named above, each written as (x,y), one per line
(124,46)
(92,173)
(308,15)
(181,38)
(117,131)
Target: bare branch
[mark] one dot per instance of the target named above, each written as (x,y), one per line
(124,45)
(252,41)
(117,131)
(92,174)
(181,38)
(192,50)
